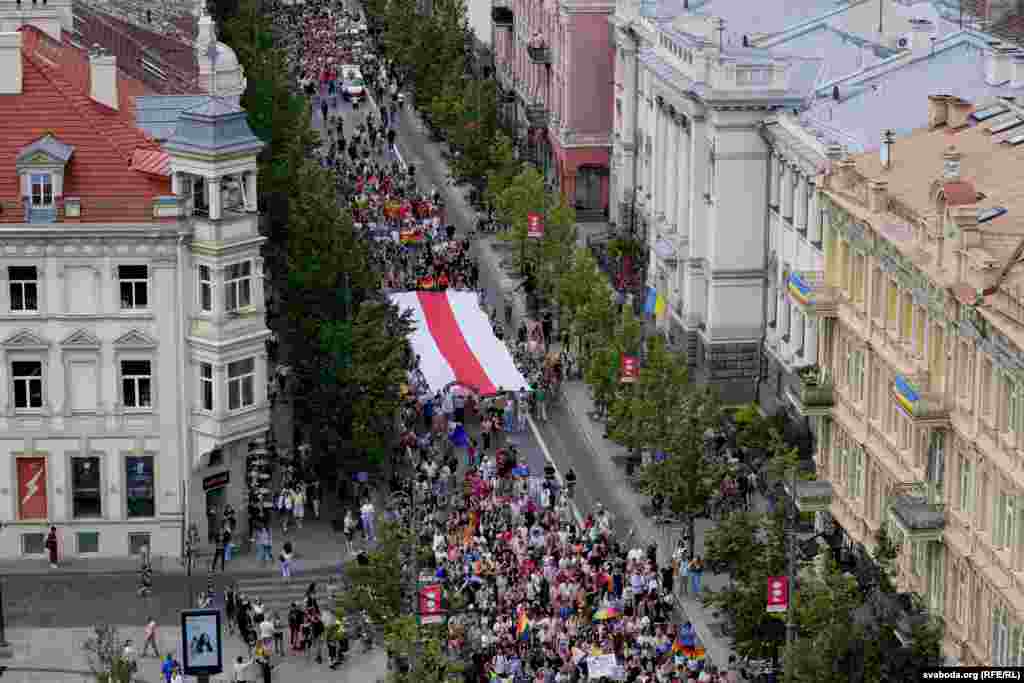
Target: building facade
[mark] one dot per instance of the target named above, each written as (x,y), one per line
(692,167)
(131,307)
(553,61)
(920,331)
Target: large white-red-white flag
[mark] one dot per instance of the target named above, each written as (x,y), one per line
(455,342)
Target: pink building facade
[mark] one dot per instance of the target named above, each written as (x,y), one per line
(555,63)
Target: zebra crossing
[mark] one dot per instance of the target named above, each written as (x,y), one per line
(278,594)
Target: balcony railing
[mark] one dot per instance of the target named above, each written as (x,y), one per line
(539,55)
(807,289)
(813,396)
(502,14)
(538,116)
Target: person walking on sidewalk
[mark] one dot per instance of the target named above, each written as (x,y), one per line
(367,513)
(51,546)
(150,638)
(299,505)
(313,496)
(220,551)
(696,572)
(264,543)
(287,556)
(294,627)
(349,526)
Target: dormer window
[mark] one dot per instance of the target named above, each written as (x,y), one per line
(42,190)
(41,168)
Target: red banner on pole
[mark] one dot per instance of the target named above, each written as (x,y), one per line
(32,488)
(778,593)
(534,225)
(430,604)
(629,369)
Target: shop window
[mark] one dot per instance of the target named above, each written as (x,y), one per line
(140,490)
(33,544)
(86,498)
(88,542)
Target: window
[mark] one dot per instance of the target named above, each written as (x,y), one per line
(136,384)
(134,286)
(917,557)
(1014,406)
(85,487)
(855,374)
(966,486)
(42,189)
(27,377)
(987,371)
(24,288)
(238,286)
(241,384)
(855,473)
(1000,636)
(140,491)
(205,289)
(33,544)
(88,542)
(206,386)
(1004,514)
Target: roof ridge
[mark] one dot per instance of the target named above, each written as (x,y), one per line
(73,96)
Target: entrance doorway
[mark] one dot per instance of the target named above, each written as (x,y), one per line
(214,513)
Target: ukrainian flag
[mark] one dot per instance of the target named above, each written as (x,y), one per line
(659,306)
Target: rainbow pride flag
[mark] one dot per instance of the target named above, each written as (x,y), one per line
(522,627)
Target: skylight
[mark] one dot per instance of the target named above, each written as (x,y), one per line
(986,215)
(988,113)
(1012,123)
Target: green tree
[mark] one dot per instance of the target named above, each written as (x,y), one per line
(577,285)
(602,374)
(526,195)
(643,414)
(503,167)
(377,586)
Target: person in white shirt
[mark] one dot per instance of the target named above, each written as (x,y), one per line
(367,514)
(241,669)
(267,631)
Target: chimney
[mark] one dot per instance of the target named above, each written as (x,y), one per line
(878,199)
(835,93)
(207,32)
(958,113)
(951,165)
(888,141)
(938,110)
(921,31)
(103,77)
(998,63)
(10,63)
(1017,79)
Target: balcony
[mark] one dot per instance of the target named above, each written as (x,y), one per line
(922,406)
(538,115)
(501,13)
(814,298)
(540,54)
(918,512)
(813,396)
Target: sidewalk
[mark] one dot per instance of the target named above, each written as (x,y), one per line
(61,648)
(607,454)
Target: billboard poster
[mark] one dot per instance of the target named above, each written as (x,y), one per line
(534,225)
(32,488)
(203,653)
(778,593)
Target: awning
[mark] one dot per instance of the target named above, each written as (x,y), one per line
(151,161)
(664,249)
(455,342)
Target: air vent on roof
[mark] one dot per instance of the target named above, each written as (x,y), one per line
(986,215)
(988,112)
(1006,125)
(1015,140)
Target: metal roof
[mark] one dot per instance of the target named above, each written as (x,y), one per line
(216,126)
(158,115)
(48,145)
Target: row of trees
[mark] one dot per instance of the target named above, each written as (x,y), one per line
(345,345)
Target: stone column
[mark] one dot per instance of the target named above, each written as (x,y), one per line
(787,191)
(251,201)
(214,197)
(672,167)
(800,202)
(814,229)
(682,185)
(176,184)
(220,390)
(773,178)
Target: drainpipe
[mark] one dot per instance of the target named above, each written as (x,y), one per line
(183,403)
(764,292)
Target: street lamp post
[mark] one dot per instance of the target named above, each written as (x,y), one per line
(804,496)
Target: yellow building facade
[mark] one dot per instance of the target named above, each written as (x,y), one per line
(920,316)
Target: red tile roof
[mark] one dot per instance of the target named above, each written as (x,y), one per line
(55,99)
(152,161)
